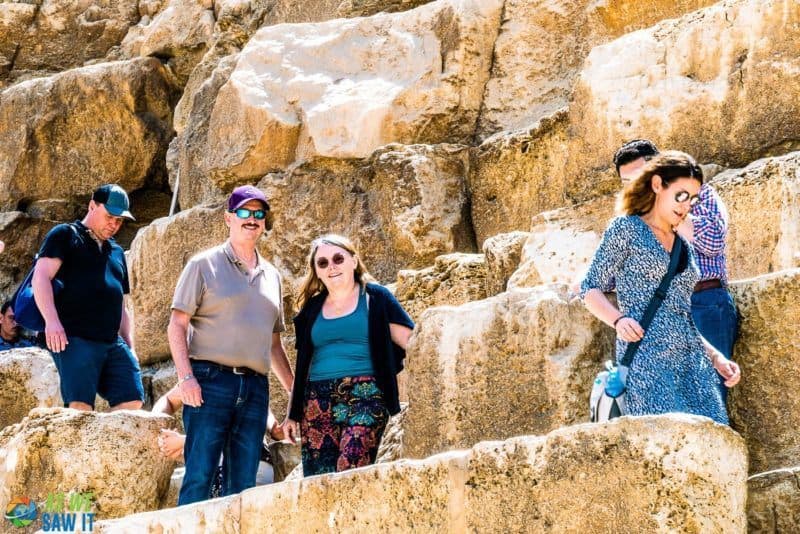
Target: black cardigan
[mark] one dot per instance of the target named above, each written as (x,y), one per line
(387,357)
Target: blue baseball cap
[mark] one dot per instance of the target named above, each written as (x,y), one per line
(115,199)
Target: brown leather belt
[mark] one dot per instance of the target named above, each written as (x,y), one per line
(235,370)
(714,283)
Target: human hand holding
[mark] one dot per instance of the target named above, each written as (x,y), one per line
(629,330)
(55,336)
(191,393)
(291,430)
(171,443)
(728,369)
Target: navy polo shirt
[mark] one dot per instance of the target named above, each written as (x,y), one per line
(90,304)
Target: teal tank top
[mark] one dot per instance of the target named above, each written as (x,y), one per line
(341,345)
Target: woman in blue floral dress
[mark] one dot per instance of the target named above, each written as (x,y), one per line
(674,368)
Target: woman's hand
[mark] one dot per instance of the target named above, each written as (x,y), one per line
(291,430)
(728,369)
(170,443)
(629,330)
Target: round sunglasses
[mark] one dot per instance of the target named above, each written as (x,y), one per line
(683,196)
(244,213)
(337,259)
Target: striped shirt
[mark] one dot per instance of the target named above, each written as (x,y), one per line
(710,221)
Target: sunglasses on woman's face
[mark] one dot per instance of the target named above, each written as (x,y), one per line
(244,213)
(337,259)
(683,196)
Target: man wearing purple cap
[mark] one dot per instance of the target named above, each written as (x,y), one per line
(87,327)
(224,334)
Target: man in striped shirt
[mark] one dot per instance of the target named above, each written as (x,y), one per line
(706,228)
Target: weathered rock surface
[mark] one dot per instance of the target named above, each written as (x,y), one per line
(285,457)
(365,8)
(761,407)
(513,176)
(454,279)
(59,449)
(682,474)
(391,447)
(542,45)
(342,89)
(46,36)
(28,380)
(503,253)
(516,363)
(773,501)
(64,135)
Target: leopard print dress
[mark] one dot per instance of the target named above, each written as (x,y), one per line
(670,371)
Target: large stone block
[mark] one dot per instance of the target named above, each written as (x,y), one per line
(59,449)
(516,363)
(64,135)
(365,8)
(503,253)
(28,380)
(773,501)
(542,45)
(342,89)
(46,36)
(454,279)
(764,407)
(651,474)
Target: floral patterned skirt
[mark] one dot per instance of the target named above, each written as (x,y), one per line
(342,425)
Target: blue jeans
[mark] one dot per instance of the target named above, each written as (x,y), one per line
(231,422)
(715,316)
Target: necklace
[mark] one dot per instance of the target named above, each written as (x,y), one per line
(96,239)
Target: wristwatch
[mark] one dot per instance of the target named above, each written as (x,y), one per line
(185,378)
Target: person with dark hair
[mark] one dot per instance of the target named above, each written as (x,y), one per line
(351,338)
(10,336)
(632,156)
(674,368)
(225,336)
(87,327)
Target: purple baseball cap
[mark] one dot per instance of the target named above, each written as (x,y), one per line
(243,194)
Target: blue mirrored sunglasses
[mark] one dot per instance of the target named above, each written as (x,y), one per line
(244,213)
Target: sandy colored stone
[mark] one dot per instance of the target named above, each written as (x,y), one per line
(662,84)
(342,89)
(452,280)
(514,176)
(763,407)
(217,516)
(47,36)
(773,501)
(542,45)
(671,473)
(58,449)
(28,379)
(517,363)
(64,135)
(285,457)
(365,8)
(391,447)
(503,253)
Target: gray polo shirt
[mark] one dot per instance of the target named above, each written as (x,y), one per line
(233,313)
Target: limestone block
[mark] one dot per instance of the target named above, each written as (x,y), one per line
(542,45)
(391,447)
(662,84)
(773,501)
(58,449)
(516,363)
(763,407)
(671,473)
(342,89)
(365,8)
(55,35)
(513,176)
(64,135)
(285,457)
(503,253)
(28,379)
(454,279)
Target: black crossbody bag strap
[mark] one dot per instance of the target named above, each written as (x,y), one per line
(656,300)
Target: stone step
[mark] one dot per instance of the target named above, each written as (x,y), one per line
(523,362)
(773,501)
(654,474)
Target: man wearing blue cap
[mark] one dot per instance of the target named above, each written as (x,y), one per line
(224,334)
(87,327)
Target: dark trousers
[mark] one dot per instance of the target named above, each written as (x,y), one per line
(715,316)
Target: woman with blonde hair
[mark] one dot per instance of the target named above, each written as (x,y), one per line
(674,367)
(351,338)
